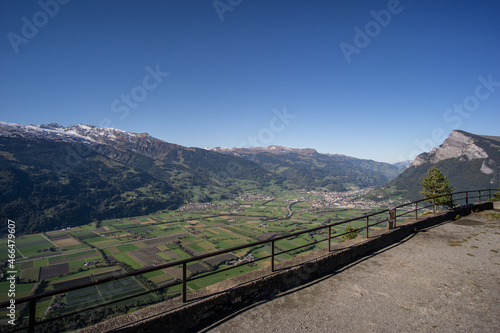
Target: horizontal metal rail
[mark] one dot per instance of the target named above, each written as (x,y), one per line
(31,300)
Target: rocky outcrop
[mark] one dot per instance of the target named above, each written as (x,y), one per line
(457,145)
(486,169)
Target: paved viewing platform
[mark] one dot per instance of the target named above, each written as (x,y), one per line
(440,273)
(445,278)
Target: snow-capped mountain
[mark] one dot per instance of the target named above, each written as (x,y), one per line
(72,133)
(53,176)
(98,138)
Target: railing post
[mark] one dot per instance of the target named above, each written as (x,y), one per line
(184,283)
(416,210)
(272,256)
(391,222)
(489,194)
(479,192)
(329,238)
(395,218)
(32,317)
(434,206)
(367,227)
(467,198)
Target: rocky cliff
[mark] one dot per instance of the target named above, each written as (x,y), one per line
(470,161)
(459,145)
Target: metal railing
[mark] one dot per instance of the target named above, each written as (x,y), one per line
(389,216)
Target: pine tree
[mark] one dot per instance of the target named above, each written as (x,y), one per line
(437,184)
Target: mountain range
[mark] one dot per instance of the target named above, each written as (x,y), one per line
(53,176)
(308,168)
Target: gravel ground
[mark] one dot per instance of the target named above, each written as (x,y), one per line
(442,279)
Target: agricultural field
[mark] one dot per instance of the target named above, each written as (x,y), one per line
(72,256)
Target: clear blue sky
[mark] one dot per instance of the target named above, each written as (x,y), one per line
(369,79)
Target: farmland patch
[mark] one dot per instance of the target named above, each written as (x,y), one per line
(104,270)
(125,258)
(220,259)
(30,274)
(52,271)
(73,257)
(126,247)
(196,268)
(27,264)
(162,240)
(72,282)
(114,250)
(147,256)
(162,279)
(66,242)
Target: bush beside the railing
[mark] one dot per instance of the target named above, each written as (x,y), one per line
(496,197)
(351,233)
(496,200)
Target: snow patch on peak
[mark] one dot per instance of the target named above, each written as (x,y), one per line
(85,127)
(72,133)
(219,148)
